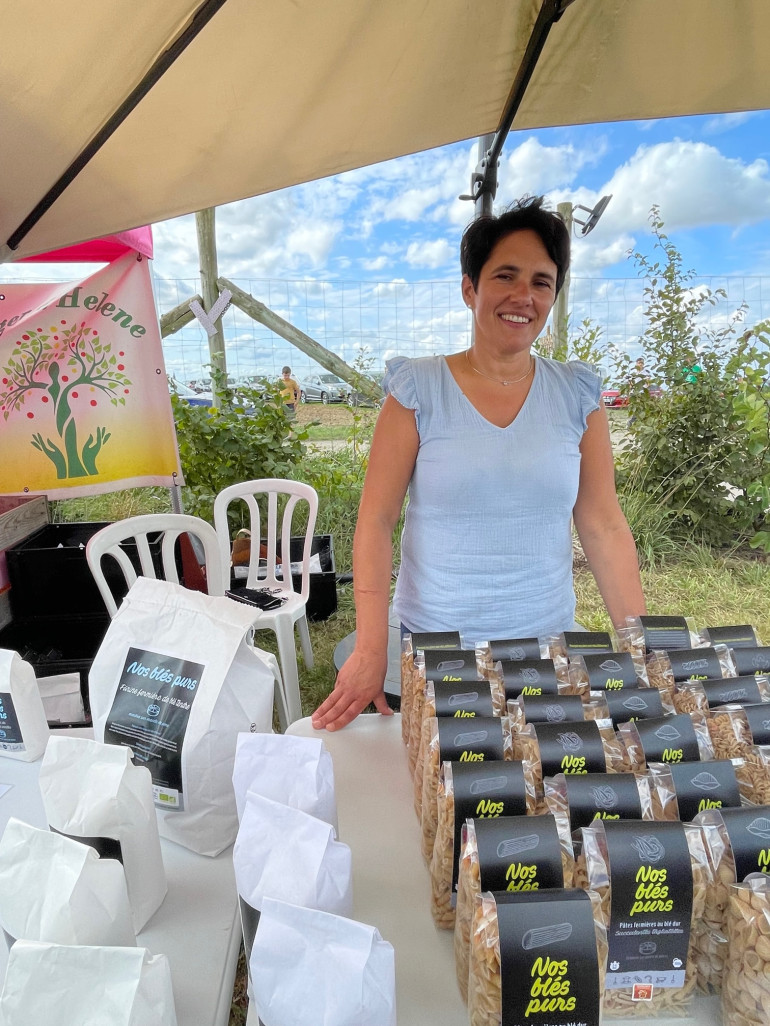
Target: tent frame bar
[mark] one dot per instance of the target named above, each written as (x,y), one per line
(193,27)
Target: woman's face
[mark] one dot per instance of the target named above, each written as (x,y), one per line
(515,293)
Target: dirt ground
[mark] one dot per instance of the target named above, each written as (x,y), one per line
(331,416)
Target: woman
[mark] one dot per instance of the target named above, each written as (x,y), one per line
(500,450)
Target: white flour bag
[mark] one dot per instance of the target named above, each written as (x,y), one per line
(310,968)
(56,890)
(57,985)
(23,726)
(94,794)
(296,771)
(176,679)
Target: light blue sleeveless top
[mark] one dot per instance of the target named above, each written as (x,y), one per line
(487,546)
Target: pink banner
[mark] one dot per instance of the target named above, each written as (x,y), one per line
(83,390)
(138,240)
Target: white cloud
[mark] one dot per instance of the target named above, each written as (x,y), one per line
(376,264)
(429,254)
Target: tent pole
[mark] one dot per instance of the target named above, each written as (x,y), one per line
(205,222)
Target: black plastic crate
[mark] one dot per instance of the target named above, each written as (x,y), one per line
(322,597)
(64,644)
(50,576)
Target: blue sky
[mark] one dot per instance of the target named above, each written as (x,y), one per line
(400,222)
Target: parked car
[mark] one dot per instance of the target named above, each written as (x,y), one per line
(613,397)
(323,388)
(356,398)
(188,395)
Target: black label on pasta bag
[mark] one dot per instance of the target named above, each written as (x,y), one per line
(651,889)
(552,708)
(549,965)
(697,663)
(610,671)
(477,740)
(485,791)
(11,739)
(634,704)
(602,796)
(571,748)
(529,677)
(669,739)
(519,853)
(748,830)
(422,642)
(150,713)
(743,690)
(738,636)
(759,722)
(106,847)
(463,699)
(444,664)
(515,648)
(748,661)
(665,632)
(699,786)
(586,642)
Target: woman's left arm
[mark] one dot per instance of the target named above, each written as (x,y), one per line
(602,527)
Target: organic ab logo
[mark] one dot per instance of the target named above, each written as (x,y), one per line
(57,374)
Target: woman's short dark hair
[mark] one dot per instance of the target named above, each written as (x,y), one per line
(527,214)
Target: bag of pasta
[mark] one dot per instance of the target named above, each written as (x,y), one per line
(474,740)
(735,728)
(606,671)
(589,796)
(562,648)
(736,841)
(734,636)
(652,879)
(445,666)
(555,709)
(682,790)
(512,853)
(750,661)
(554,940)
(680,738)
(667,669)
(532,677)
(746,993)
(489,653)
(644,634)
(412,662)
(642,703)
(706,695)
(470,790)
(579,747)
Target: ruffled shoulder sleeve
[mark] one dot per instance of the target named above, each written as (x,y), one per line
(399,382)
(589,387)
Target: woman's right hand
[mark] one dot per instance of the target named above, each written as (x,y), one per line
(360,681)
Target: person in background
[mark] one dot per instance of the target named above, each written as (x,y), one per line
(499,450)
(289,392)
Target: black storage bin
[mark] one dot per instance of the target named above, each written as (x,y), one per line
(322,597)
(64,644)
(49,574)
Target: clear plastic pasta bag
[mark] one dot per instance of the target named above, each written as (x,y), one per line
(512,853)
(680,738)
(586,797)
(682,790)
(746,991)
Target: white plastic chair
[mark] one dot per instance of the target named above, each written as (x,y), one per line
(107,543)
(293,608)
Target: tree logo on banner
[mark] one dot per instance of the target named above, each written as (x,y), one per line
(57,371)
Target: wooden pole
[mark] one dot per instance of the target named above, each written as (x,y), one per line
(561,306)
(176,319)
(207,253)
(259,312)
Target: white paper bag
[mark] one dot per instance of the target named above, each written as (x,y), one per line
(55,985)
(56,890)
(176,678)
(23,726)
(309,968)
(283,853)
(93,792)
(62,699)
(295,771)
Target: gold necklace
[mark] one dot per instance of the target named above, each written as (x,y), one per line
(500,381)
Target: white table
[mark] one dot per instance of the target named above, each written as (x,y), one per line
(197,927)
(391,884)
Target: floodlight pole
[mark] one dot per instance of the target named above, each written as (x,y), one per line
(561,306)
(205,223)
(485,176)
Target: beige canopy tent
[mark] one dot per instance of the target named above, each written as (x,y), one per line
(116,113)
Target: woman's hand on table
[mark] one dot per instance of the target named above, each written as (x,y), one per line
(360,681)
